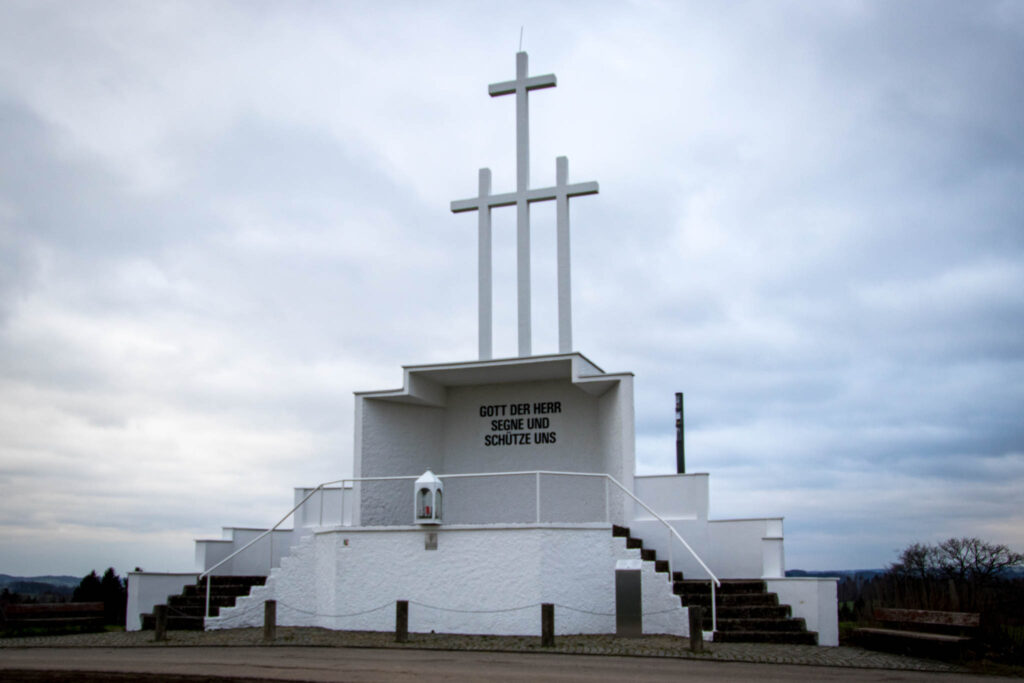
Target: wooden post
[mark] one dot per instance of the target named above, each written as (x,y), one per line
(696,628)
(160,614)
(269,621)
(402,621)
(547,625)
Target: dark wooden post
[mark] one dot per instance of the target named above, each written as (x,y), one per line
(680,435)
(547,625)
(696,628)
(402,621)
(269,621)
(160,614)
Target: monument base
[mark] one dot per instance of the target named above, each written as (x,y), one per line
(479,580)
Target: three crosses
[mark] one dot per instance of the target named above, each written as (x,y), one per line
(521,199)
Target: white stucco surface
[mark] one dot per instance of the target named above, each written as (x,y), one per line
(673,496)
(732,548)
(561,413)
(256,560)
(814,600)
(479,580)
(148,589)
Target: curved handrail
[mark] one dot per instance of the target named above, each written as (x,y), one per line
(714,579)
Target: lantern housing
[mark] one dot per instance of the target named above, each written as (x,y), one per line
(428,495)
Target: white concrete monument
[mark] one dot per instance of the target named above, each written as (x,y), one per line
(534,459)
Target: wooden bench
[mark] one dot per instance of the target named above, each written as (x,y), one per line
(54,615)
(943,635)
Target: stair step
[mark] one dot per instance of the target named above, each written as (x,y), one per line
(223,588)
(746,612)
(757,612)
(794,638)
(784,625)
(185,611)
(183,602)
(728,587)
(738,600)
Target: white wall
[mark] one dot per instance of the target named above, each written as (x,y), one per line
(738,548)
(148,589)
(575,426)
(485,580)
(256,560)
(399,439)
(616,424)
(330,506)
(672,496)
(813,599)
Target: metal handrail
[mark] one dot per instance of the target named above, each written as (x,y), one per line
(537,473)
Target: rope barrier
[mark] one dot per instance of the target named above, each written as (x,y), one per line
(474,611)
(334,616)
(585,611)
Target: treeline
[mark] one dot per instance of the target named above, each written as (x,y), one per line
(110,589)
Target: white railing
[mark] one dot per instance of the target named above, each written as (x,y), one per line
(346,487)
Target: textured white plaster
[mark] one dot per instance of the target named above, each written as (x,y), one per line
(814,600)
(479,580)
(434,422)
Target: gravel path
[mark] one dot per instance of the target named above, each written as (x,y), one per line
(646,646)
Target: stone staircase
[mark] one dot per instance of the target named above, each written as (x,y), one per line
(747,612)
(185,611)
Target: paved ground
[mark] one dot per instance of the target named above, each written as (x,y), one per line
(237,664)
(243,642)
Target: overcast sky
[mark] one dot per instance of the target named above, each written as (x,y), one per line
(218,220)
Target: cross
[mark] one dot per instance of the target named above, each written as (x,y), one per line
(521,199)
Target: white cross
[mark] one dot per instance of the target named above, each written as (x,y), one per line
(521,199)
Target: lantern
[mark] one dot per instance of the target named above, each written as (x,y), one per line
(427,500)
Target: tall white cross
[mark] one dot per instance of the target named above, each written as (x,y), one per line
(521,199)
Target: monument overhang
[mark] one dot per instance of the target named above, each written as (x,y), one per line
(425,384)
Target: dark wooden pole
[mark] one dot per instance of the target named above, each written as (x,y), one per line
(269,621)
(680,436)
(160,614)
(547,625)
(402,621)
(696,628)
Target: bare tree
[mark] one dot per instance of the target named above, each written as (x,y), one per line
(917,561)
(971,559)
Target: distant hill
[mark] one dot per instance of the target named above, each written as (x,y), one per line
(1009,573)
(838,573)
(62,586)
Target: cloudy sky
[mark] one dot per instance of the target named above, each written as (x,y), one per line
(218,220)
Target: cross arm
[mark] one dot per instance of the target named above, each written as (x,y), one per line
(532,83)
(476,203)
(574,190)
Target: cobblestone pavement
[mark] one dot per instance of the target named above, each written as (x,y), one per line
(646,646)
